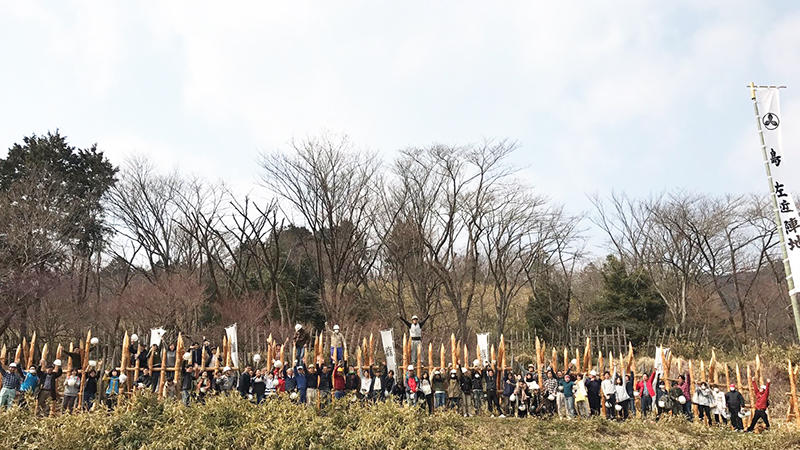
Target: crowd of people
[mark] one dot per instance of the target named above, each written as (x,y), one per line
(543,392)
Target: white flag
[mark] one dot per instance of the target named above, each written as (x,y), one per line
(769,110)
(659,362)
(388,349)
(231,333)
(483,346)
(155,335)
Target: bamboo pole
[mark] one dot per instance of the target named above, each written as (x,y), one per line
(750,396)
(554,360)
(667,362)
(566,360)
(3,352)
(727,375)
(179,351)
(694,380)
(578,362)
(18,353)
(430,359)
(45,351)
(538,348)
(163,375)
(358,359)
(600,364)
(84,367)
(371,350)
(793,392)
(502,350)
(29,360)
(466,356)
(587,354)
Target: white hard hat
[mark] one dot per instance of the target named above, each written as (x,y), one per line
(512,398)
(57,362)
(187,356)
(226,369)
(682,400)
(278,364)
(453,371)
(92,363)
(635,393)
(13,364)
(436,372)
(293,396)
(763,386)
(593,373)
(256,357)
(297,327)
(410,367)
(661,403)
(476,362)
(123,378)
(561,389)
(574,362)
(618,407)
(336,328)
(134,337)
(94,341)
(463,370)
(414,317)
(551,397)
(608,404)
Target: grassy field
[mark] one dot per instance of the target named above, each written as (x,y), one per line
(233,423)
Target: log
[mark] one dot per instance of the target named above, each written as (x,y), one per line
(442,361)
(453,359)
(162,377)
(430,359)
(31,351)
(793,392)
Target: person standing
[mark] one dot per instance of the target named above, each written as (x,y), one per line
(187,382)
(72,386)
(567,386)
(720,410)
(453,388)
(609,394)
(685,383)
(12,381)
(492,401)
(477,388)
(593,393)
(337,344)
(735,402)
(761,404)
(90,389)
(301,339)
(415,332)
(245,382)
(312,383)
(581,398)
(47,384)
(112,391)
(439,392)
(646,392)
(703,398)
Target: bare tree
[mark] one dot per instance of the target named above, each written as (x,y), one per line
(332,188)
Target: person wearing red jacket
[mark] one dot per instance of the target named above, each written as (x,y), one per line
(646,392)
(338,382)
(761,402)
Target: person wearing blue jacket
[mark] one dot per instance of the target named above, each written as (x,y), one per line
(302,383)
(509,384)
(29,385)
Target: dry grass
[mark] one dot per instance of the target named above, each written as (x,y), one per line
(233,423)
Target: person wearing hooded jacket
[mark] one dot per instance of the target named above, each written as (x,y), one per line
(735,402)
(453,388)
(761,403)
(703,398)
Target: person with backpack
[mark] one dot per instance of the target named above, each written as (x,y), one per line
(761,402)
(735,402)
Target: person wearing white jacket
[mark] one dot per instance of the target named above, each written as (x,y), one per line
(703,398)
(622,397)
(719,408)
(609,393)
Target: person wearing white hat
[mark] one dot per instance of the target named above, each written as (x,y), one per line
(301,339)
(48,375)
(12,381)
(594,393)
(337,343)
(439,391)
(415,333)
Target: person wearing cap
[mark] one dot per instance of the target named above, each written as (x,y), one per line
(412,386)
(48,375)
(133,348)
(761,395)
(301,339)
(453,389)
(415,332)
(339,380)
(646,391)
(337,343)
(12,381)
(593,393)
(439,392)
(735,402)
(301,383)
(312,383)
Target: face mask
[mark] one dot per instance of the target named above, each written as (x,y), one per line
(733,389)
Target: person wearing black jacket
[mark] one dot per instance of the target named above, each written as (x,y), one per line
(629,389)
(146,380)
(398,390)
(387,385)
(312,385)
(735,402)
(90,389)
(351,382)
(47,384)
(244,382)
(492,401)
(325,384)
(593,393)
(187,382)
(466,391)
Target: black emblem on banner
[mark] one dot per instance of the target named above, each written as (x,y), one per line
(770,121)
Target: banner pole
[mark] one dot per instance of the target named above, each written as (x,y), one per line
(787,269)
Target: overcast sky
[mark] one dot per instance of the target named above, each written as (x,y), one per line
(634,96)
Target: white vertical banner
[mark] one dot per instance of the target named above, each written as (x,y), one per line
(232,338)
(483,346)
(388,349)
(659,362)
(769,111)
(155,335)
